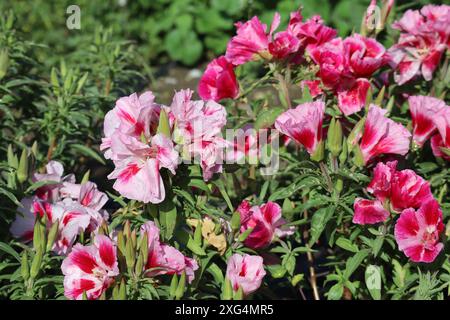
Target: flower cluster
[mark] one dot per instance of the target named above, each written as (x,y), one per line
(142,138)
(75,208)
(419,225)
(425,35)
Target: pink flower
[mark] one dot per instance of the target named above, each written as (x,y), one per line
(283,45)
(54,173)
(313,86)
(210,155)
(245,271)
(164,259)
(441,142)
(138,165)
(251,41)
(352,95)
(303,124)
(409,190)
(436,144)
(133,116)
(417,232)
(266,222)
(245,144)
(345,65)
(312,33)
(219,81)
(365,55)
(196,119)
(423,112)
(383,135)
(90,269)
(383,174)
(369,212)
(424,38)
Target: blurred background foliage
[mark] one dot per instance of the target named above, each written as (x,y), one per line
(186,31)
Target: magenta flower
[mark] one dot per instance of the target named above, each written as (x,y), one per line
(245,271)
(423,113)
(369,212)
(383,135)
(266,222)
(219,81)
(251,41)
(303,124)
(383,174)
(417,232)
(90,269)
(164,259)
(409,190)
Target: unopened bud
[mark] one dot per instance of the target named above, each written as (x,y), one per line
(22,171)
(334,137)
(164,125)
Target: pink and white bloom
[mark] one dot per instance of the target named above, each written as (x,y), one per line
(283,45)
(134,116)
(164,259)
(138,165)
(246,272)
(369,212)
(218,81)
(409,190)
(417,232)
(383,174)
(303,124)
(265,221)
(54,173)
(424,111)
(251,41)
(423,40)
(90,269)
(383,135)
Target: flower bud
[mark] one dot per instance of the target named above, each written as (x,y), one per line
(122,290)
(355,134)
(36,264)
(121,242)
(52,236)
(22,171)
(198,233)
(12,158)
(358,158)
(334,137)
(130,254)
(24,267)
(236,221)
(164,125)
(144,247)
(343,155)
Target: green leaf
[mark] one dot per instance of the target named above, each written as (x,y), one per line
(319,221)
(267,118)
(168,217)
(88,152)
(354,262)
(294,187)
(219,184)
(195,248)
(373,281)
(184,46)
(336,292)
(8,249)
(346,244)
